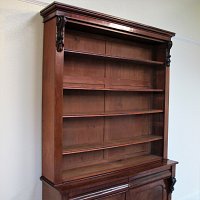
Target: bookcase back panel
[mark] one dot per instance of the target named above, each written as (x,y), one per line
(100,73)
(81,66)
(157,148)
(128,49)
(105,45)
(122,153)
(127,101)
(158,124)
(86,42)
(159,78)
(99,102)
(83,159)
(104,156)
(83,82)
(85,131)
(158,101)
(79,71)
(124,74)
(127,127)
(83,102)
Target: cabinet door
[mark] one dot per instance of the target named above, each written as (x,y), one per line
(152,191)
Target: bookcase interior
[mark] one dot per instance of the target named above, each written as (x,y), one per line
(113,103)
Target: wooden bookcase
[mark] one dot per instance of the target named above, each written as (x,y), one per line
(105,107)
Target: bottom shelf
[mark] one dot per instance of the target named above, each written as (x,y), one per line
(84,172)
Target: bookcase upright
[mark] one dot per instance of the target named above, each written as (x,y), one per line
(105,107)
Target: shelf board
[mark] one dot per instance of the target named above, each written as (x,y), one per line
(114,89)
(83,172)
(110,145)
(139,61)
(139,112)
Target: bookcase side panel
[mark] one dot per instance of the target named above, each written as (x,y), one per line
(48,100)
(52,104)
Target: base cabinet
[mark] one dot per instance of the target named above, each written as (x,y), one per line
(153,186)
(153,191)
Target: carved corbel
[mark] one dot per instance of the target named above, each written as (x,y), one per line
(172,183)
(60,26)
(168,56)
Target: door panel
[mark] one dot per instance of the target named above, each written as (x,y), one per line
(152,191)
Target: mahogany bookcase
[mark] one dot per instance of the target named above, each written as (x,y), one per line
(105,107)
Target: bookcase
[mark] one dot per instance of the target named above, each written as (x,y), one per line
(105,107)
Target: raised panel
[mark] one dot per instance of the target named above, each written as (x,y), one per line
(151,191)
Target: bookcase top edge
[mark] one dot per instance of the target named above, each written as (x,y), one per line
(55,8)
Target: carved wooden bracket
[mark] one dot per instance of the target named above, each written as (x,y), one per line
(60,25)
(168,56)
(172,183)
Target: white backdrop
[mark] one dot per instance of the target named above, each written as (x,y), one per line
(21,36)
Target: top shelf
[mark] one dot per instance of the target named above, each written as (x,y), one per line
(138,61)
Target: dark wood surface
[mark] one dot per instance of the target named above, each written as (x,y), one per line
(48,100)
(105,107)
(122,181)
(152,191)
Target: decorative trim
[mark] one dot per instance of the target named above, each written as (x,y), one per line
(60,24)
(172,183)
(107,21)
(168,56)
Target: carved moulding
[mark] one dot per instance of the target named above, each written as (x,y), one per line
(60,28)
(168,56)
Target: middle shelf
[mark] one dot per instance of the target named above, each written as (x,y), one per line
(109,145)
(112,114)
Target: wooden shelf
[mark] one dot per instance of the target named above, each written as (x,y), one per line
(139,61)
(140,112)
(113,89)
(82,172)
(110,145)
